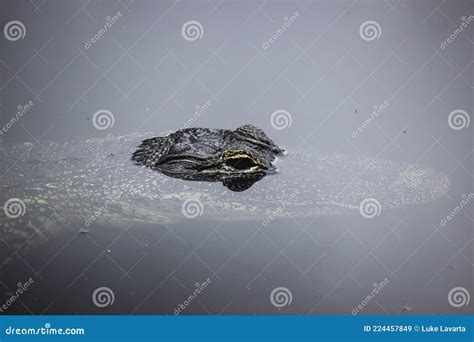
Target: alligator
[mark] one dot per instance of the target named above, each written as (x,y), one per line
(108,181)
(236,158)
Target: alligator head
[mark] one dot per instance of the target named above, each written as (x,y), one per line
(237,158)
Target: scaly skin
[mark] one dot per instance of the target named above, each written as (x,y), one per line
(64,185)
(237,158)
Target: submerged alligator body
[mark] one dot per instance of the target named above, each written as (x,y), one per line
(236,158)
(61,186)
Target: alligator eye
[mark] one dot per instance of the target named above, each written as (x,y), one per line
(241,162)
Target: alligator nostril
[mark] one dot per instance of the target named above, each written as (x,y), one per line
(241,163)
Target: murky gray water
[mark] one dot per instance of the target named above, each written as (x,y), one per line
(365,119)
(77,198)
(73,181)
